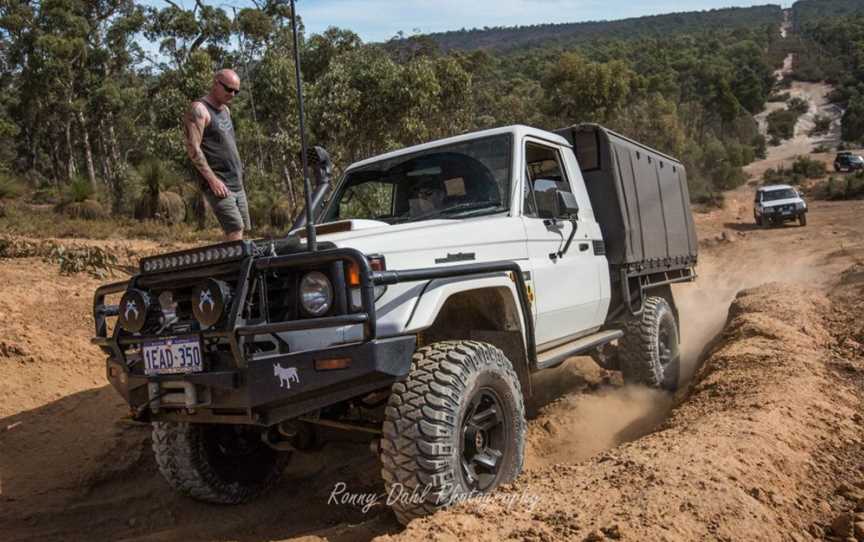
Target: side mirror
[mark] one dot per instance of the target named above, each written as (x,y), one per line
(567,204)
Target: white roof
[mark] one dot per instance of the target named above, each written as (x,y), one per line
(772,187)
(518,131)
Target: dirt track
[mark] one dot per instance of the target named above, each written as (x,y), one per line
(757,450)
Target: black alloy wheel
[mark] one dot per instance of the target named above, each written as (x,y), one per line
(484,437)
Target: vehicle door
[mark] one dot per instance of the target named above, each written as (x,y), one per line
(567,288)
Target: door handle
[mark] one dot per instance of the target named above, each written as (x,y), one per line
(583,247)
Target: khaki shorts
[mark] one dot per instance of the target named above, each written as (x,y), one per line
(232,211)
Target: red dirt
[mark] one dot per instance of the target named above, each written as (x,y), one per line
(765,445)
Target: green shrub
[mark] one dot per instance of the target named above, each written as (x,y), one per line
(282,214)
(781,124)
(170,208)
(855,186)
(798,106)
(46,195)
(88,209)
(836,188)
(821,125)
(760,146)
(809,168)
(77,191)
(10,188)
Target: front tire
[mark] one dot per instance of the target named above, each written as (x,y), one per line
(222,464)
(455,426)
(758,220)
(650,353)
(802,220)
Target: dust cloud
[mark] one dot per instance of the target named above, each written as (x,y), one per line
(581,426)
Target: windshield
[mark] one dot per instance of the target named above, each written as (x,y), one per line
(773,195)
(452,181)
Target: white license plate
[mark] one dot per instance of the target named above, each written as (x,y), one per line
(172,356)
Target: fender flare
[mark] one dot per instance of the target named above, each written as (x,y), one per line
(437,292)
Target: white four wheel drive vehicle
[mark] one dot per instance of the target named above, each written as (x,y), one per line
(778,203)
(435,283)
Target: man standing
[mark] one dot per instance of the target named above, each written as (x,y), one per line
(212,147)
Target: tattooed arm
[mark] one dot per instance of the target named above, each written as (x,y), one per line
(193,130)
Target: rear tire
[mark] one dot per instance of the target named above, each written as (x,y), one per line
(649,351)
(454,426)
(222,464)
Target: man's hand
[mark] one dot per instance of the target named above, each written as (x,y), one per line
(219,188)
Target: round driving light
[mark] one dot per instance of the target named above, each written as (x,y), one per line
(187,259)
(134,306)
(316,293)
(210,301)
(147,267)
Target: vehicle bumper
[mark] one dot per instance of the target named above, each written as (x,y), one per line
(778,216)
(270,389)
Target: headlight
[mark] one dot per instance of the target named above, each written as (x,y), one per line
(316,293)
(134,306)
(210,301)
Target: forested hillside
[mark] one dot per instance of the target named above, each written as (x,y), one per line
(90,115)
(574,34)
(831,37)
(809,11)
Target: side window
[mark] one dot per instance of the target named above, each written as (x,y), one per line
(544,176)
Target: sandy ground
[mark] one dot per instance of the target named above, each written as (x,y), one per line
(765,445)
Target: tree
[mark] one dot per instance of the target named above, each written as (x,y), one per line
(578,90)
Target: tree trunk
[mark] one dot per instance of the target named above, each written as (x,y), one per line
(88,152)
(71,169)
(118,167)
(104,162)
(288,188)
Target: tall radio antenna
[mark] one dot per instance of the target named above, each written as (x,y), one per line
(307,185)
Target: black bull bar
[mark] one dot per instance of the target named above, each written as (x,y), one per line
(252,392)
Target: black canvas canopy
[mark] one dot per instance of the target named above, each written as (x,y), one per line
(640,198)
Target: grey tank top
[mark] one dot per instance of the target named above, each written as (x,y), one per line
(220,148)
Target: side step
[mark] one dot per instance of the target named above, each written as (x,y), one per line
(557,356)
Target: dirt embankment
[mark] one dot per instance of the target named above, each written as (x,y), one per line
(72,469)
(755,452)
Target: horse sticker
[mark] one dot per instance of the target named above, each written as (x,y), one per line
(286,375)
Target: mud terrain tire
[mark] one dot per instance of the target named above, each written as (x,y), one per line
(802,220)
(649,350)
(758,220)
(215,463)
(455,425)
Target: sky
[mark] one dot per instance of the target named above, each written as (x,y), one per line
(380,20)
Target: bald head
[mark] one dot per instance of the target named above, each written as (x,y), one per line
(226,84)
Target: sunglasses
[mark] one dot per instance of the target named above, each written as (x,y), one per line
(234,91)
